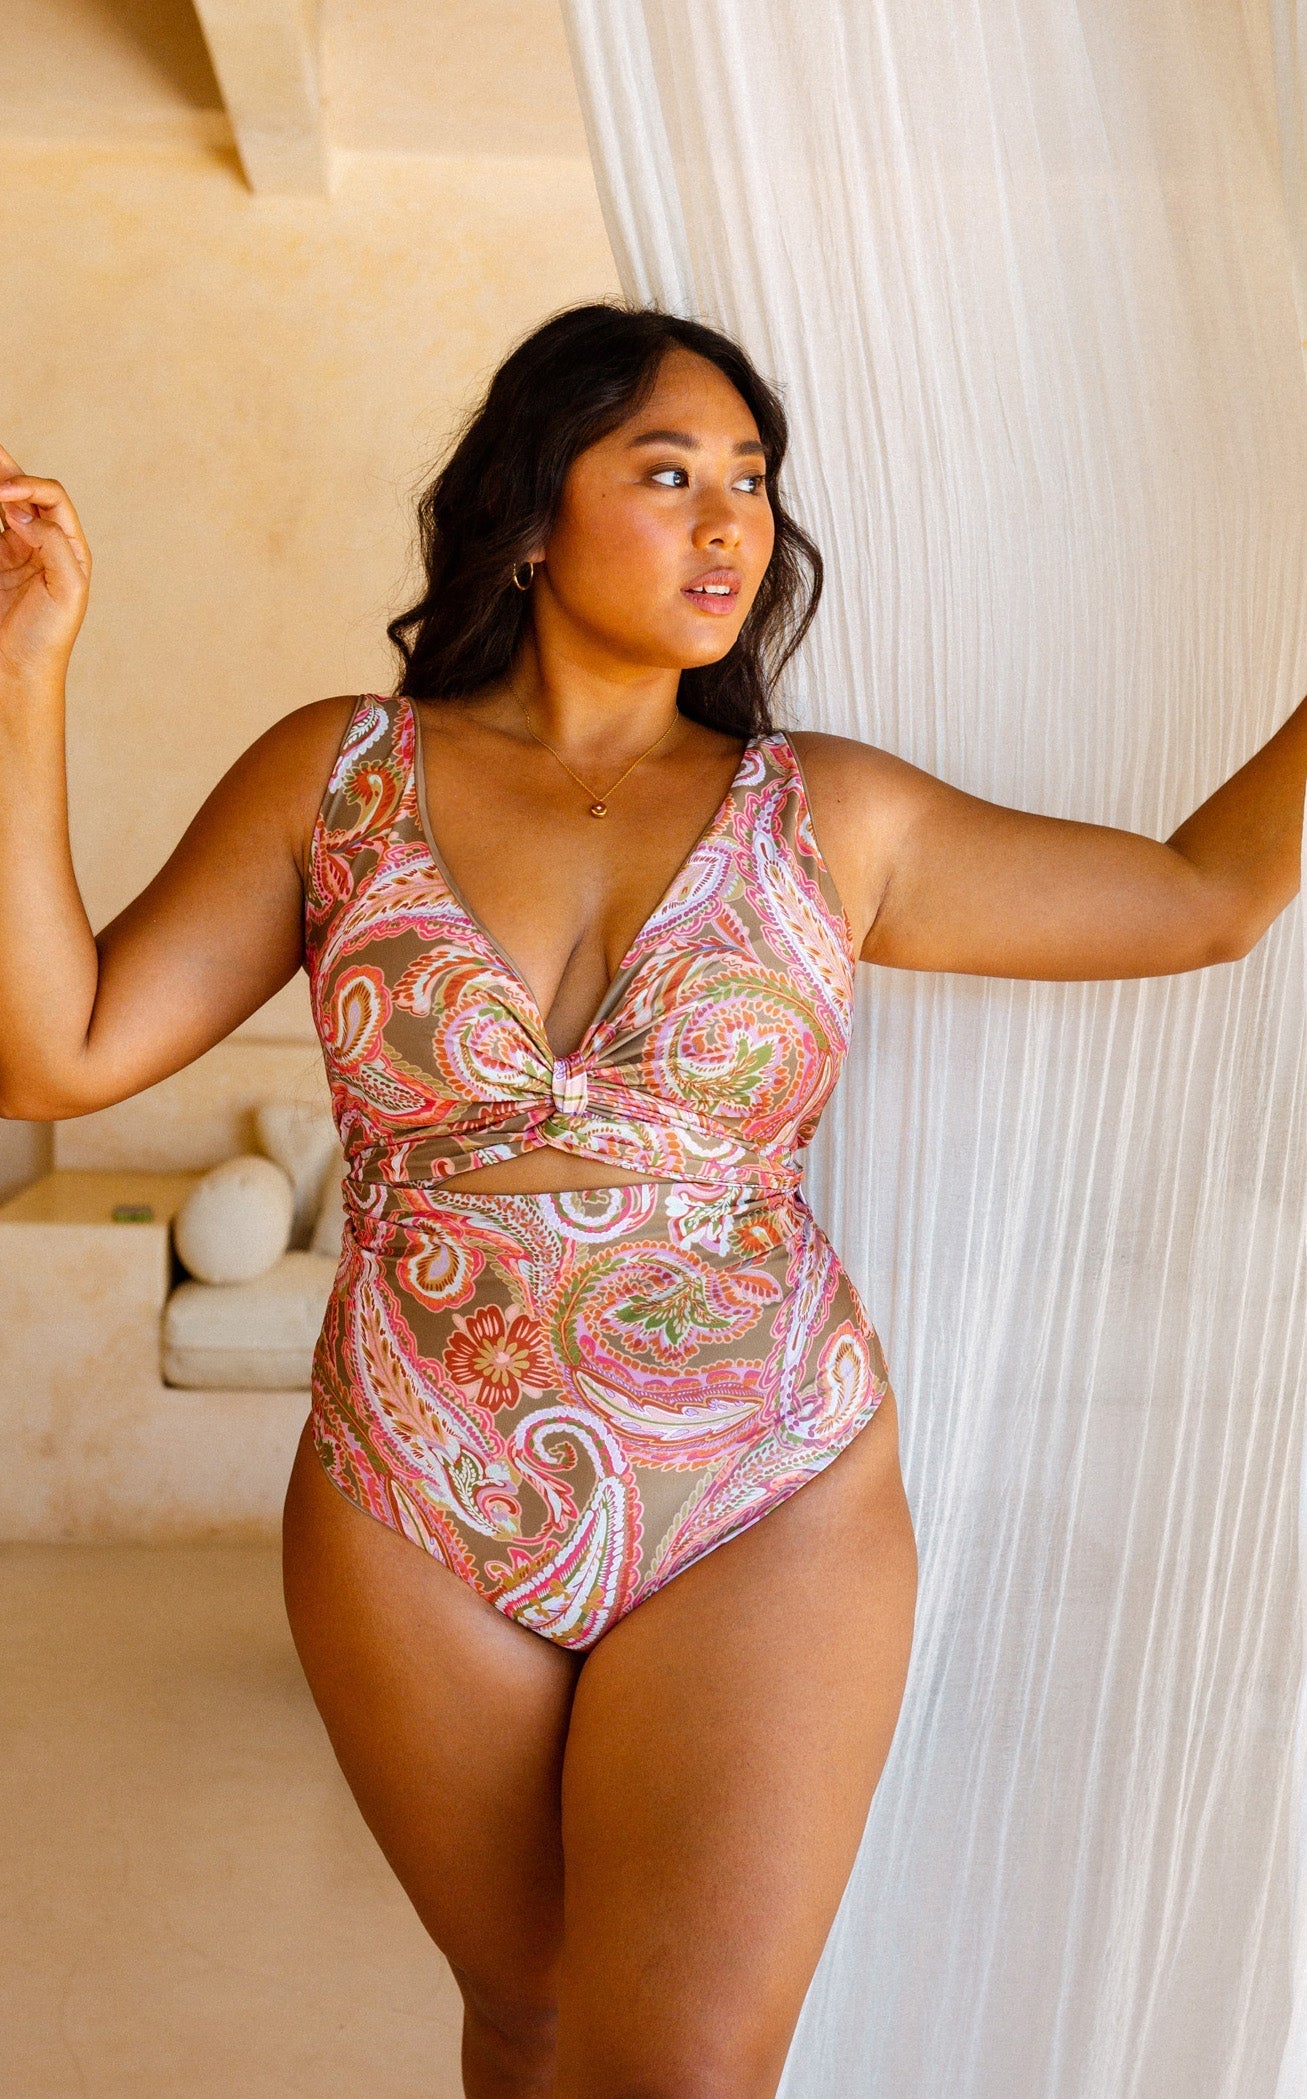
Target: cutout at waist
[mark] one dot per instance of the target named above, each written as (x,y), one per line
(545,1170)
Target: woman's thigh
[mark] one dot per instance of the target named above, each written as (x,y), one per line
(725,1742)
(449,1723)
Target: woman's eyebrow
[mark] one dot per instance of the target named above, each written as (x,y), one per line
(688,443)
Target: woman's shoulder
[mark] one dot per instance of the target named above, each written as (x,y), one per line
(862,799)
(307,733)
(818,747)
(842,769)
(301,751)
(288,770)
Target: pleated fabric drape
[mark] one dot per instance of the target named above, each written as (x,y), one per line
(1025,269)
(1289,34)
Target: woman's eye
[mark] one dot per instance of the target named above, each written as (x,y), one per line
(678,477)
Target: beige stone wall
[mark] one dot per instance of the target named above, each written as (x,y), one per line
(242,394)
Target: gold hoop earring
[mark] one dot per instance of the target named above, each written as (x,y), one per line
(530,568)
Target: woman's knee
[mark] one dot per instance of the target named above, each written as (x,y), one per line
(513,2025)
(709,2073)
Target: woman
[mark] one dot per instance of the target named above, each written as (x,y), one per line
(597,1552)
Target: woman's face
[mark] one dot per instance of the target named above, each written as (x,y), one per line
(665,529)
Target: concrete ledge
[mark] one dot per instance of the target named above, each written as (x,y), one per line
(96,1446)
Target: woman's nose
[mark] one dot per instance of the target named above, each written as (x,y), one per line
(718,525)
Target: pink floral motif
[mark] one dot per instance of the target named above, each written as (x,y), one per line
(844,1370)
(360,1009)
(378,795)
(656,1302)
(440,1275)
(725,1221)
(501,1357)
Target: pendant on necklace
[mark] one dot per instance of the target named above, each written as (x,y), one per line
(598,808)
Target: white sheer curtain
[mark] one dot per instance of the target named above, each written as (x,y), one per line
(1289,30)
(1025,270)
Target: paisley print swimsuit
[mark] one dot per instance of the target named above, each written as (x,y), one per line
(569,1398)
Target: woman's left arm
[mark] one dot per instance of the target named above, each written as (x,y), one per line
(937,879)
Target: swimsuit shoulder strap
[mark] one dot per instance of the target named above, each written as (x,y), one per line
(796,828)
(373,772)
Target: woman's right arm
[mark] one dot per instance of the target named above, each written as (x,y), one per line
(87,1020)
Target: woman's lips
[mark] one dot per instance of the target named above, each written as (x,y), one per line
(713,594)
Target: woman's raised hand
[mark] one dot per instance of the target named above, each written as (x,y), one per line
(45,575)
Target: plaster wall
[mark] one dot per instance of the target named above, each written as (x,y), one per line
(242,394)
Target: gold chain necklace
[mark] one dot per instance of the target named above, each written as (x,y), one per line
(599,803)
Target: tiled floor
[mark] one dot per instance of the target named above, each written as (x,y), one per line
(190,1905)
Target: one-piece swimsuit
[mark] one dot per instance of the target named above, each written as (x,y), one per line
(567,1399)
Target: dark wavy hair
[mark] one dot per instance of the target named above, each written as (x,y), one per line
(563,388)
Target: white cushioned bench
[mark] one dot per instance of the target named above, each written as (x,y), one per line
(98,1445)
(257,1336)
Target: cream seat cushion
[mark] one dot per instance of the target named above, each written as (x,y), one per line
(255,1336)
(236,1221)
